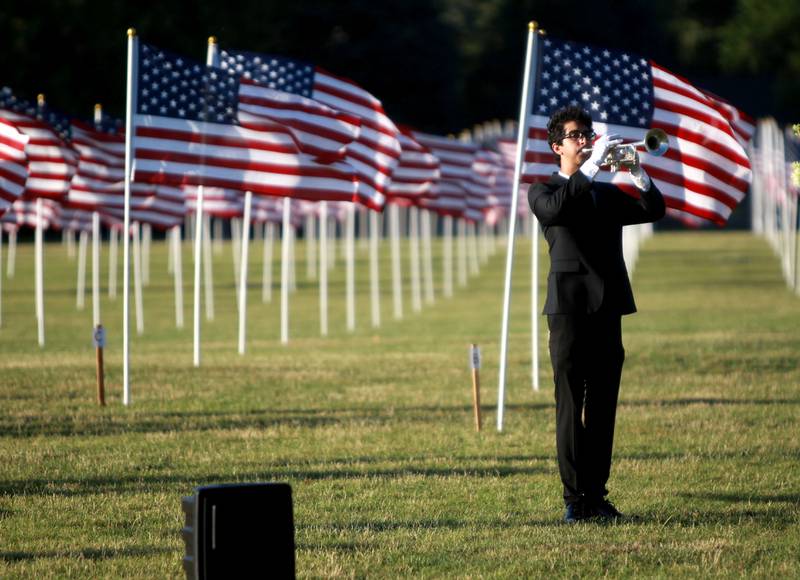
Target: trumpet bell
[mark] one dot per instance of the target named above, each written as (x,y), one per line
(656,142)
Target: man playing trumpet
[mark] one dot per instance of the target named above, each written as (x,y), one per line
(588,291)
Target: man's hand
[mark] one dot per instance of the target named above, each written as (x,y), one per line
(638,175)
(601,146)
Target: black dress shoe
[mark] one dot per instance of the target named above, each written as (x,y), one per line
(576,511)
(605,509)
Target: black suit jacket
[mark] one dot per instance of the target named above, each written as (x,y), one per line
(582,222)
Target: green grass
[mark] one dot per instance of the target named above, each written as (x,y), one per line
(373,429)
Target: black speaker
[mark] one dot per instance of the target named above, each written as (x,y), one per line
(239,531)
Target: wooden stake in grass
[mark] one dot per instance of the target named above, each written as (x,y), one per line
(99,337)
(475,363)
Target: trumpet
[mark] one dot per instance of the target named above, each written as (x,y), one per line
(655,142)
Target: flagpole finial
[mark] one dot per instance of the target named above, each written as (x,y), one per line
(131,32)
(212,40)
(533,25)
(40,99)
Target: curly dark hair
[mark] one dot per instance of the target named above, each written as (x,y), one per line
(555,126)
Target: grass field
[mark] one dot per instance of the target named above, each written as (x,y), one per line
(373,429)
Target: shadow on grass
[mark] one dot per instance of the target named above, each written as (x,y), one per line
(85,554)
(333,547)
(775,518)
(790,498)
(422,525)
(141,484)
(164,422)
(44,424)
(687,401)
(772,518)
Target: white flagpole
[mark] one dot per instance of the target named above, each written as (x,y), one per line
(177,273)
(1,277)
(12,253)
(40,254)
(362,227)
(342,229)
(199,239)
(137,277)
(96,268)
(170,252)
(245,245)
(535,305)
(351,260)
(524,117)
(397,290)
(218,237)
(285,256)
(311,247)
(130,107)
(147,237)
(472,249)
(483,243)
(236,250)
(374,274)
(80,298)
(266,273)
(198,256)
(427,255)
(292,271)
(448,256)
(97,240)
(39,242)
(413,234)
(331,242)
(188,225)
(323,268)
(69,236)
(208,265)
(113,237)
(461,246)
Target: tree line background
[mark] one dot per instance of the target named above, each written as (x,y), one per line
(439,65)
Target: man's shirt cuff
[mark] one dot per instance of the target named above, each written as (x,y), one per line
(589,169)
(641,180)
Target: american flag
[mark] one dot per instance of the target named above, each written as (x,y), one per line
(23,213)
(316,129)
(74,219)
(51,160)
(164,210)
(373,154)
(217,201)
(450,194)
(229,203)
(188,133)
(494,172)
(507,147)
(266,209)
(13,164)
(98,182)
(706,171)
(742,124)
(416,173)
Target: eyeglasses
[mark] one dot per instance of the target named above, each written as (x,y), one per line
(587,135)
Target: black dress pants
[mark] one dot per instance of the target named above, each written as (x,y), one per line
(587,355)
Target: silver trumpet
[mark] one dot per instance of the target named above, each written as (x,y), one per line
(655,142)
